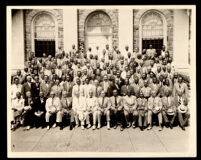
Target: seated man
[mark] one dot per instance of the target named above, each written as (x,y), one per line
(79,108)
(53,106)
(39,110)
(142,111)
(66,108)
(154,107)
(169,109)
(17,109)
(92,109)
(28,110)
(182,110)
(103,109)
(117,109)
(130,107)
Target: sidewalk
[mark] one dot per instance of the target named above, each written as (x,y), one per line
(102,140)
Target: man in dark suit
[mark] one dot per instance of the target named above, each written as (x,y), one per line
(27,87)
(36,87)
(39,110)
(126,87)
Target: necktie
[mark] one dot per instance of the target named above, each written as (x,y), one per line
(78,90)
(115,101)
(52,101)
(103,101)
(96,92)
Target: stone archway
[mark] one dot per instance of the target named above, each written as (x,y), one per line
(29,17)
(168,15)
(82,17)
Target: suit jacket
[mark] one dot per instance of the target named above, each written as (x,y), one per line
(36,89)
(39,104)
(26,88)
(125,88)
(119,102)
(103,104)
(45,89)
(68,87)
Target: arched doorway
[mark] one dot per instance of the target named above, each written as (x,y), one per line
(98,31)
(153,30)
(44,35)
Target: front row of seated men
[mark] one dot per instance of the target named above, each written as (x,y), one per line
(117,110)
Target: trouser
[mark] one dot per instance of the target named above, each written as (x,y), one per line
(28,118)
(15,114)
(134,114)
(39,121)
(69,113)
(142,119)
(106,113)
(168,118)
(94,115)
(76,117)
(118,117)
(59,116)
(159,115)
(183,118)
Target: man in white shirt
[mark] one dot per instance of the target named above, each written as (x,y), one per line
(92,109)
(16,87)
(53,106)
(17,109)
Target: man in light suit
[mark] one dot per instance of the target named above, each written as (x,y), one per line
(169,109)
(130,107)
(66,103)
(154,107)
(92,109)
(104,109)
(105,84)
(53,106)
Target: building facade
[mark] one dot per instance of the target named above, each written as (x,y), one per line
(53,30)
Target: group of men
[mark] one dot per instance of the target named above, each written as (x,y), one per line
(96,88)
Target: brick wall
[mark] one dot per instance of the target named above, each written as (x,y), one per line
(82,16)
(29,15)
(168,14)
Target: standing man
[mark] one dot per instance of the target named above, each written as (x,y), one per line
(27,86)
(45,87)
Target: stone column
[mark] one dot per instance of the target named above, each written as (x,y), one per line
(125,29)
(181,38)
(70,28)
(17,40)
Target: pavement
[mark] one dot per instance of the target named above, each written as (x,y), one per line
(102,140)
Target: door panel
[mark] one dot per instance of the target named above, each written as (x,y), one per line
(47,47)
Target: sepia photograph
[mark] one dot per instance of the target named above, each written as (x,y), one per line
(101,81)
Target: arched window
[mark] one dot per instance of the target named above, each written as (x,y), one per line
(152,31)
(98,31)
(44,35)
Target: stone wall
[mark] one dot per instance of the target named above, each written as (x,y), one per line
(82,16)
(29,15)
(168,14)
